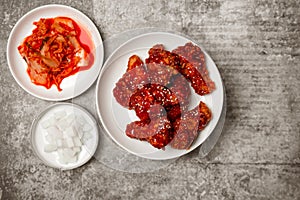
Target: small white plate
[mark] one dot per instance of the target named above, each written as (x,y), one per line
(38,140)
(114,117)
(72,86)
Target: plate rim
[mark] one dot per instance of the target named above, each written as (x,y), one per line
(33,133)
(97,96)
(17,24)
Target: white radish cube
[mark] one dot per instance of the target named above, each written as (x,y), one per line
(72,159)
(84,140)
(45,124)
(77,149)
(69,152)
(60,152)
(87,135)
(60,114)
(67,155)
(50,139)
(62,160)
(49,148)
(71,132)
(70,118)
(81,120)
(77,127)
(59,142)
(62,124)
(70,142)
(48,122)
(54,132)
(77,141)
(64,143)
(87,127)
(80,134)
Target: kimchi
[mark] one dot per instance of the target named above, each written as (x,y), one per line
(54,51)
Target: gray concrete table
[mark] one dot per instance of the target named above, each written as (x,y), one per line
(255,44)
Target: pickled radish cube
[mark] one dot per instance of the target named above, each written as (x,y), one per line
(67,155)
(70,142)
(80,134)
(62,124)
(72,159)
(62,160)
(77,149)
(50,139)
(48,122)
(45,124)
(71,132)
(77,141)
(87,135)
(78,128)
(61,157)
(64,143)
(69,152)
(87,127)
(54,132)
(70,118)
(60,114)
(49,148)
(81,120)
(59,142)
(60,152)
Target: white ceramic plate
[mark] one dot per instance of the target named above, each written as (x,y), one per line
(114,117)
(38,134)
(72,86)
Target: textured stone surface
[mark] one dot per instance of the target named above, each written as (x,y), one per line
(255,44)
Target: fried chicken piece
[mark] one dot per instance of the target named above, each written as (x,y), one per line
(188,126)
(141,101)
(205,116)
(133,62)
(183,66)
(180,87)
(157,132)
(193,54)
(155,126)
(159,73)
(151,94)
(135,77)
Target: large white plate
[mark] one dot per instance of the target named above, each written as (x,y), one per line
(38,140)
(114,117)
(71,86)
